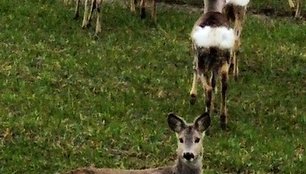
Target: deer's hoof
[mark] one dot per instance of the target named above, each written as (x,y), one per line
(96,36)
(223,122)
(231,68)
(76,16)
(86,25)
(193,99)
(208,132)
(236,77)
(224,126)
(143,13)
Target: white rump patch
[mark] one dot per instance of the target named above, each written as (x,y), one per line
(238,2)
(207,37)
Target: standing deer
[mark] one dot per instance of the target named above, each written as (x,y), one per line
(189,150)
(235,10)
(212,42)
(296,6)
(95,7)
(143,4)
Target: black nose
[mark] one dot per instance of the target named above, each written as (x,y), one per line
(188,156)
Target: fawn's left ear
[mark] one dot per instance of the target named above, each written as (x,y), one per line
(202,122)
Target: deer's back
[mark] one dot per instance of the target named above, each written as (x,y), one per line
(93,170)
(212,19)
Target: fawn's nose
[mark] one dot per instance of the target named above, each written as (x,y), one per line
(188,156)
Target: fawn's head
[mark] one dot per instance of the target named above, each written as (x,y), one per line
(189,136)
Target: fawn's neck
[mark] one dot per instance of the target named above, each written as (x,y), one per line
(184,168)
(213,5)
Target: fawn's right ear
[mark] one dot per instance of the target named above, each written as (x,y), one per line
(176,123)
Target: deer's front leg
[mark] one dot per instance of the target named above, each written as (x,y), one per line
(239,20)
(85,17)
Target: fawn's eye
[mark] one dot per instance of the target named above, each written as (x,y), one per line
(181,140)
(197,140)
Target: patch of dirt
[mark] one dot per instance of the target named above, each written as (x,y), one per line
(181,7)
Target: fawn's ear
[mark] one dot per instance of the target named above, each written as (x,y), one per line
(202,122)
(176,123)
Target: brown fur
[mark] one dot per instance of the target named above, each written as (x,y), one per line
(93,170)
(213,19)
(236,16)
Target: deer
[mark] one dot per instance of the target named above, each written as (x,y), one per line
(212,43)
(296,6)
(143,4)
(235,11)
(189,149)
(95,7)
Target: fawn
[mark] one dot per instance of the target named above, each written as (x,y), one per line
(189,150)
(235,11)
(212,42)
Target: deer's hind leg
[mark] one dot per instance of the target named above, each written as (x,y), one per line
(77,9)
(298,8)
(133,6)
(291,4)
(153,11)
(224,86)
(205,80)
(85,17)
(213,82)
(143,9)
(99,14)
(193,91)
(93,6)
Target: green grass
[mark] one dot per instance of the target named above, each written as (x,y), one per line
(68,100)
(254,5)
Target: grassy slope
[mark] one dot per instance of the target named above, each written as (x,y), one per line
(67,100)
(255,4)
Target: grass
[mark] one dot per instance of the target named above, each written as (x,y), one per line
(68,100)
(256,5)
